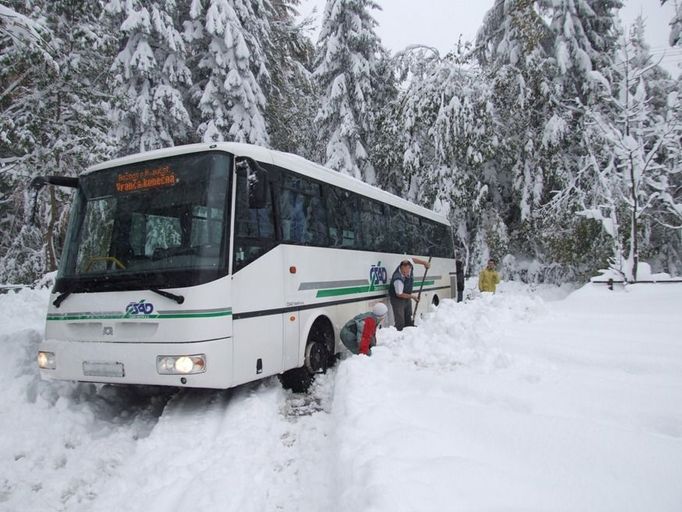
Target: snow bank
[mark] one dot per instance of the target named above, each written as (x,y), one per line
(506,403)
(522,400)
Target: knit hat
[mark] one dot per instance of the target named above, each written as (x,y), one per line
(379,309)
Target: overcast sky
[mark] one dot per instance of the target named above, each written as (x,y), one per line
(439,23)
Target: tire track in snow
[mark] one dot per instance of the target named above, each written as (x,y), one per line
(252,448)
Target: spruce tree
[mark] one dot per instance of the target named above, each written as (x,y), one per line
(347,67)
(514,48)
(634,191)
(291,93)
(228,40)
(151,75)
(54,123)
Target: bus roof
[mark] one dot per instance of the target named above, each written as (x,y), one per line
(288,161)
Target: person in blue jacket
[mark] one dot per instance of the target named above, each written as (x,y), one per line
(359,333)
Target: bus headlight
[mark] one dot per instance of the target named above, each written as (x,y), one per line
(46,360)
(181,365)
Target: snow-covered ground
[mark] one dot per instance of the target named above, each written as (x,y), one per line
(525,400)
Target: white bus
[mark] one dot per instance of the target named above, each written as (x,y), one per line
(212,265)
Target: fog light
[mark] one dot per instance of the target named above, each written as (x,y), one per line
(46,360)
(181,365)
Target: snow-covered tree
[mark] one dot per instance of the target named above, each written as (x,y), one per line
(675,38)
(54,122)
(584,34)
(631,182)
(514,48)
(151,74)
(549,62)
(19,30)
(228,40)
(290,90)
(435,139)
(347,69)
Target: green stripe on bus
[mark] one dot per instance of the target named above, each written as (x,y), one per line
(336,292)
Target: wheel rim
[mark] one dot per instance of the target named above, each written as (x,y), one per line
(316,358)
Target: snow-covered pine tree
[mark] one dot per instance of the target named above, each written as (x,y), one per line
(675,38)
(54,122)
(637,184)
(549,62)
(584,34)
(514,47)
(227,39)
(347,68)
(292,97)
(436,137)
(151,75)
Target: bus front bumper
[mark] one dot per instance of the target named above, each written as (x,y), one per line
(139,363)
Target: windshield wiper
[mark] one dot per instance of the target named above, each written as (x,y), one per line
(61,298)
(177,298)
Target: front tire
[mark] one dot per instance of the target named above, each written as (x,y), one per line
(316,361)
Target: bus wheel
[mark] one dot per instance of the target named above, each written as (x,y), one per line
(299,380)
(319,355)
(435,300)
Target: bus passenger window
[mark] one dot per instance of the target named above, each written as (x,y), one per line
(373,224)
(302,214)
(254,227)
(343,218)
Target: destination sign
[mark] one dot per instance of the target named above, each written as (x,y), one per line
(146,179)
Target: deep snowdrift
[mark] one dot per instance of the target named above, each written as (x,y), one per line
(505,402)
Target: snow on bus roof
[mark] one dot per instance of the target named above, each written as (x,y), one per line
(289,161)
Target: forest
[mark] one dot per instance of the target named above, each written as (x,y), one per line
(552,142)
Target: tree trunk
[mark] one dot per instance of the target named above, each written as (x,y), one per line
(50,253)
(634,256)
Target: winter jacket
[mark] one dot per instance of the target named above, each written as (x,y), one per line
(408,283)
(488,280)
(359,333)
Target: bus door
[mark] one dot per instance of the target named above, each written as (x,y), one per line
(293,300)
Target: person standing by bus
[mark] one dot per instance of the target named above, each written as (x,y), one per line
(400,292)
(459,271)
(359,333)
(488,279)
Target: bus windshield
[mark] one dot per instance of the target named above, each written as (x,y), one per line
(160,223)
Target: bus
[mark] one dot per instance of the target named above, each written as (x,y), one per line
(213,265)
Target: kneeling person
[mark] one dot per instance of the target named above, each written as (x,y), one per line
(359,333)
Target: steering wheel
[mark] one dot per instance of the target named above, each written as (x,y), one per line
(94,259)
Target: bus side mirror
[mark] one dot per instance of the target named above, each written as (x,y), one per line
(257,180)
(59,181)
(39,182)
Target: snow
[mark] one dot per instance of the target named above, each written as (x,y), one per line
(529,399)
(644,273)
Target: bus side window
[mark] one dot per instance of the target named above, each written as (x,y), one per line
(254,227)
(395,223)
(413,233)
(302,215)
(373,225)
(343,218)
(292,216)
